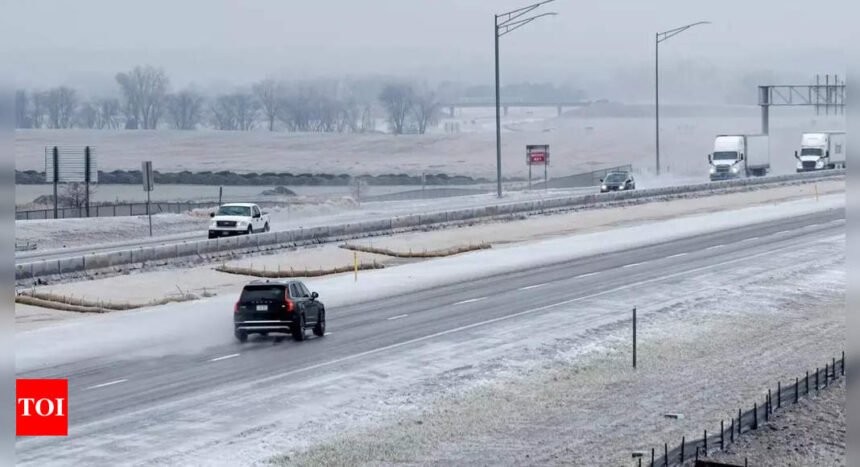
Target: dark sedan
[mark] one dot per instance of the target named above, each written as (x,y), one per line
(617,181)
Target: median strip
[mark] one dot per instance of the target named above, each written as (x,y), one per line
(417,254)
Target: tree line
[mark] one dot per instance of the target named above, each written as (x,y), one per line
(146,102)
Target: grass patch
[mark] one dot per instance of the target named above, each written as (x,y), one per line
(417,254)
(282,273)
(81,305)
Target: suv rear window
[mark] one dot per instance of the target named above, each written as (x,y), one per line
(253,293)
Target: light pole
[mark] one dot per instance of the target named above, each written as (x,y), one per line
(658,38)
(510,22)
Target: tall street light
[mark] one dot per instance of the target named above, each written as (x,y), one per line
(506,23)
(660,37)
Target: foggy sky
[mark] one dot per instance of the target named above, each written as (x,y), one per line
(220,43)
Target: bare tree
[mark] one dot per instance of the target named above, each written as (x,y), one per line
(426,109)
(398,101)
(268,94)
(22,105)
(108,113)
(88,115)
(185,109)
(236,111)
(38,109)
(75,195)
(61,105)
(145,92)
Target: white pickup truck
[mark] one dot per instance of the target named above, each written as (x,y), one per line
(237,219)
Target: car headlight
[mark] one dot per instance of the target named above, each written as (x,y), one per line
(603,187)
(799,164)
(736,169)
(819,164)
(620,187)
(242,224)
(713,169)
(213,224)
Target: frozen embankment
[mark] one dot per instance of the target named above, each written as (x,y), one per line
(166,328)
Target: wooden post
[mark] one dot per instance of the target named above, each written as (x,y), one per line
(843,363)
(755,415)
(807,383)
(722,437)
(816,380)
(732,436)
(652,457)
(706,444)
(665,454)
(683,442)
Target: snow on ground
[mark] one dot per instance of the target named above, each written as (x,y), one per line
(301,212)
(203,280)
(577,145)
(707,346)
(74,340)
(813,432)
(73,234)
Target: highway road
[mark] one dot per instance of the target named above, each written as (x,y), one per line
(117,393)
(284,221)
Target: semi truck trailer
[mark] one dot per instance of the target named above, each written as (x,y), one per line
(739,156)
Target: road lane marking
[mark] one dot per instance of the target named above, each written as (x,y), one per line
(750,239)
(677,256)
(781,232)
(103,385)
(631,265)
(471,300)
(225,357)
(714,247)
(397,317)
(586,275)
(482,323)
(529,287)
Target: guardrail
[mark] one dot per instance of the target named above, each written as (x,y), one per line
(301,236)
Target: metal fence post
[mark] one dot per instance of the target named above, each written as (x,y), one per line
(634,337)
(779,394)
(843,363)
(755,416)
(665,454)
(816,379)
(722,437)
(807,383)
(732,436)
(652,457)
(740,422)
(826,373)
(706,443)
(796,391)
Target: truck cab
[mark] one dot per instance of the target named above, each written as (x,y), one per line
(821,151)
(726,160)
(739,156)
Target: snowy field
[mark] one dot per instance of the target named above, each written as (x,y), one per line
(576,145)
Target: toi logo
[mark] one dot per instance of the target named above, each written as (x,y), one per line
(42,407)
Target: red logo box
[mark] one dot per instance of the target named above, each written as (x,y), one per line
(41,407)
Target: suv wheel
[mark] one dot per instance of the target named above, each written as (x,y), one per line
(319,329)
(299,329)
(241,335)
(250,230)
(266,227)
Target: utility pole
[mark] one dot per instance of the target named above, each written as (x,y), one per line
(658,38)
(509,22)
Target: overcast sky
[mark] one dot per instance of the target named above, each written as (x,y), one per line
(217,42)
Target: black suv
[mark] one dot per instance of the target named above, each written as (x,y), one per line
(280,307)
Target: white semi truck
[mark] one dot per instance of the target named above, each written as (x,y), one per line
(821,151)
(739,156)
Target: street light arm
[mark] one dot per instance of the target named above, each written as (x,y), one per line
(519,12)
(674,32)
(511,27)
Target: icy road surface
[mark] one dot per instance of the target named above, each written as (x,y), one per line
(170,386)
